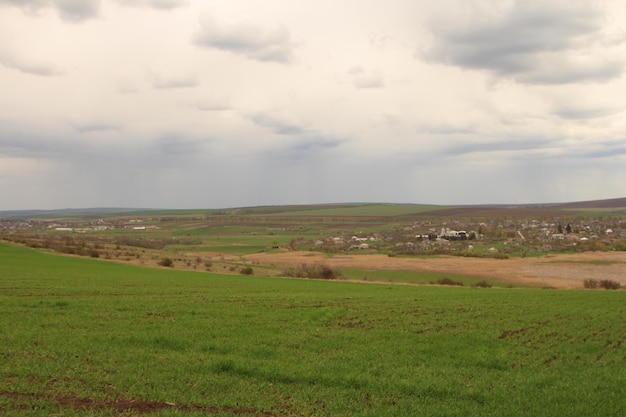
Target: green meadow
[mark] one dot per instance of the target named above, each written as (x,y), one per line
(94,338)
(383,210)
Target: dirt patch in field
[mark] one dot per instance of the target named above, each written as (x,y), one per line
(558,271)
(22,400)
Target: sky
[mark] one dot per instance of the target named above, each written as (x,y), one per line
(233,103)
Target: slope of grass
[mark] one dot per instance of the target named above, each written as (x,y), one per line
(413,277)
(375,210)
(230,345)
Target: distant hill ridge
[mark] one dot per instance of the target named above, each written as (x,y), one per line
(613,203)
(609,203)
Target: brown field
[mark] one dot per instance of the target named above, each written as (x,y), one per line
(566,271)
(494,212)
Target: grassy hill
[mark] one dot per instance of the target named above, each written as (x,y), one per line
(84,337)
(321,210)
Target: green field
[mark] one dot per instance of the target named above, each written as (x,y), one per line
(374,210)
(94,338)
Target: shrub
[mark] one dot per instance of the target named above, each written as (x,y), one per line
(590,283)
(247,271)
(316,270)
(448,281)
(166,262)
(482,284)
(609,284)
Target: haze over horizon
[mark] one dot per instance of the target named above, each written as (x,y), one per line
(215,104)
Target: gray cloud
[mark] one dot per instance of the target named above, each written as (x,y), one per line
(31,6)
(583,113)
(16,142)
(531,41)
(77,10)
(155,4)
(315,143)
(168,82)
(277,126)
(27,66)
(73,11)
(600,150)
(366,79)
(83,146)
(522,145)
(251,41)
(178,145)
(96,127)
(212,105)
(446,129)
(307,142)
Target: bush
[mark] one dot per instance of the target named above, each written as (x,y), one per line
(448,281)
(609,284)
(316,270)
(590,283)
(247,271)
(620,245)
(482,284)
(166,262)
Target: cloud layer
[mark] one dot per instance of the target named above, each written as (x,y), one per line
(182,103)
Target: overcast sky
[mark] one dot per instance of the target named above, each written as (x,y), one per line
(226,103)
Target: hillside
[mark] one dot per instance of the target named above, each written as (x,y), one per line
(350,209)
(613,203)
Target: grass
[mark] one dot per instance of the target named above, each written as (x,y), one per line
(413,277)
(238,345)
(385,210)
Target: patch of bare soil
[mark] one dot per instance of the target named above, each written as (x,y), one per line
(565,271)
(126,405)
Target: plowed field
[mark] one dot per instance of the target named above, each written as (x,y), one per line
(558,271)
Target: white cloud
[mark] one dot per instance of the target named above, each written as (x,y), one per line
(29,66)
(247,39)
(530,41)
(366,79)
(212,104)
(173,81)
(72,11)
(155,4)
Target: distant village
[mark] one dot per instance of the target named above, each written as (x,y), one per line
(493,238)
(100,225)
